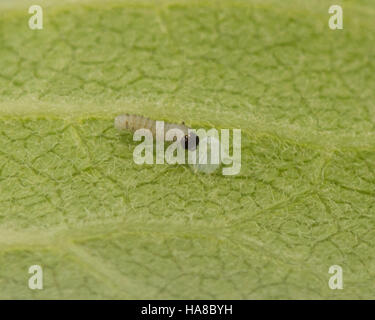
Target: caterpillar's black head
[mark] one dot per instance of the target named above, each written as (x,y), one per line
(190,141)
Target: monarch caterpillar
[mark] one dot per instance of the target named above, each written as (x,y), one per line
(132,122)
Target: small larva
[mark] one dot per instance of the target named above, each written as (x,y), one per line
(132,122)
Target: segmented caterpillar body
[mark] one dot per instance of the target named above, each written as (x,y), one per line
(133,122)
